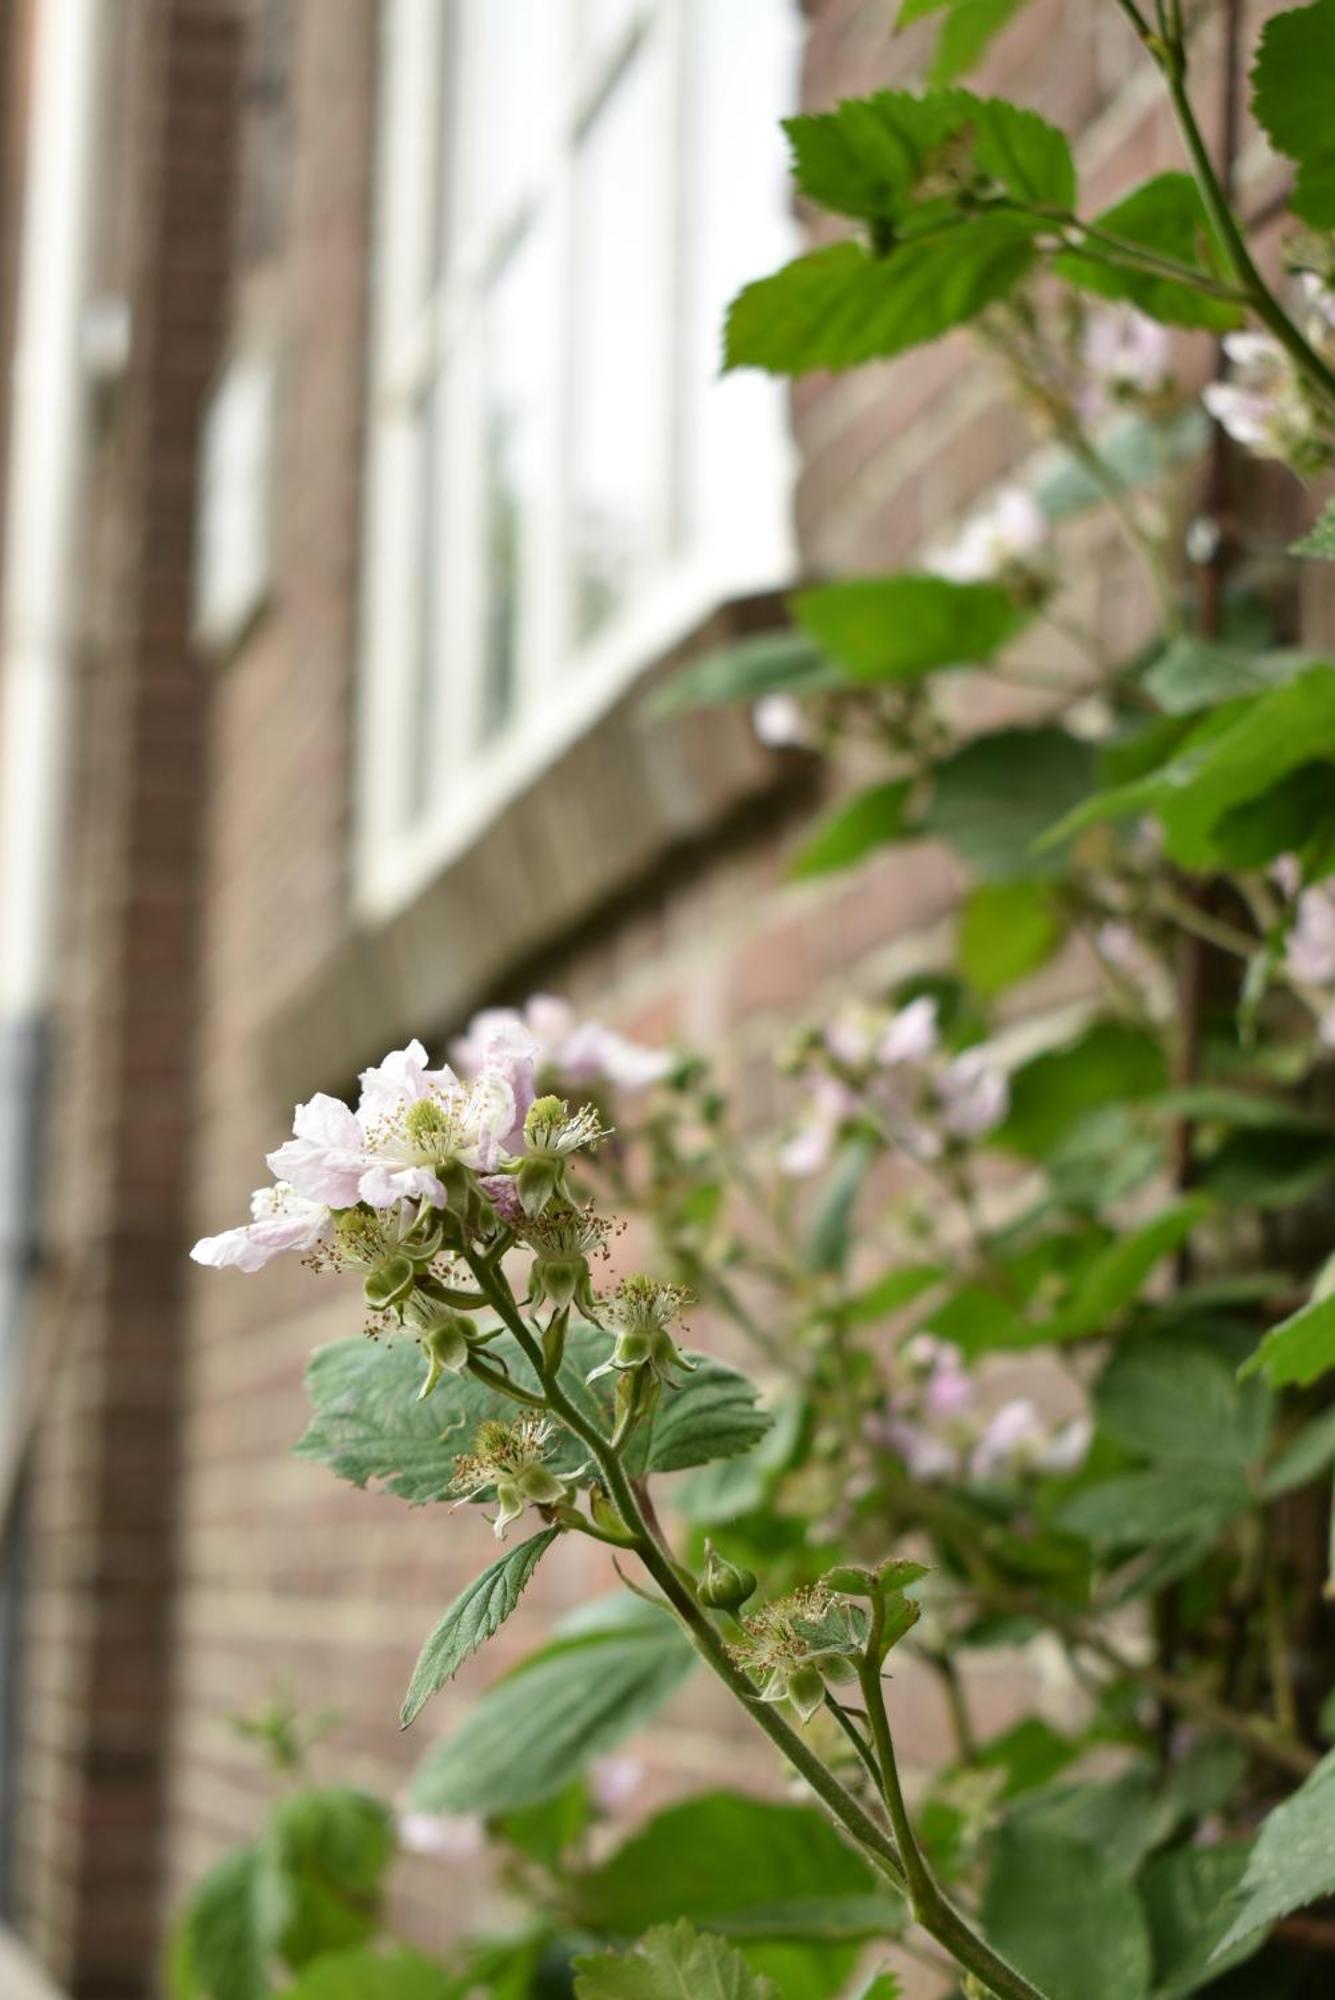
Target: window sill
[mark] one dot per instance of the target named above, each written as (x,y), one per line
(599,819)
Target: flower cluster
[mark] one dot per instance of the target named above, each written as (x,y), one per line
(932,1422)
(568,1052)
(1266,405)
(891,1071)
(799,1646)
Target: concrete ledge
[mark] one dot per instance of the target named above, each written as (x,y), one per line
(603,819)
(21,1978)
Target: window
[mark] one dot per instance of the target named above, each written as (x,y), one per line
(560,484)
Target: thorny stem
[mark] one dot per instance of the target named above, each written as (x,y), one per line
(937,1915)
(930,1905)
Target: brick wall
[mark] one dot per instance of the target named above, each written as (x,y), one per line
(104,1457)
(279,1572)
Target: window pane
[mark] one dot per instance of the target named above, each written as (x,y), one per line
(600,20)
(743,61)
(519,320)
(424,697)
(519,46)
(622,351)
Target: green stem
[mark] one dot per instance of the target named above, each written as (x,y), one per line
(941,1919)
(932,1908)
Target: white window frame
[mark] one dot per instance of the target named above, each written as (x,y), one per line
(414,332)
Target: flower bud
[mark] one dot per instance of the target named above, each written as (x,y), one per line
(445,1345)
(724,1586)
(540,1486)
(389,1282)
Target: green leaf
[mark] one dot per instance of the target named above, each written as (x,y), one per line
(995,797)
(1117,1274)
(898,628)
(1007,930)
(1192,674)
(1186,1896)
(323,1858)
(1170,1399)
(470,1621)
(371,1975)
(1236,754)
(839,307)
(1310,1454)
(1169,1503)
(831,1231)
(1299,1349)
(747,1867)
(368,1423)
(1120,1819)
(222,1951)
(888,1294)
(675,1963)
(1293,1860)
(1135,449)
(1269,1169)
(1167,216)
(872,819)
(1319,540)
(1055,1910)
(1108,1064)
(867,156)
(966,32)
(1291,99)
(541,1725)
(770,663)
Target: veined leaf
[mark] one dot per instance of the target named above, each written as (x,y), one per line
(670,1964)
(1186,1896)
(1320,538)
(898,628)
(1007,930)
(1167,216)
(993,799)
(541,1725)
(374,1975)
(1116,1275)
(1055,1910)
(840,306)
(477,1613)
(747,1867)
(223,1948)
(1172,1399)
(770,663)
(1293,1860)
(1168,1503)
(1291,98)
(1299,1349)
(873,819)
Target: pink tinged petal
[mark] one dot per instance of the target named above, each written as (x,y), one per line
(402,1078)
(811,1147)
(1066,1448)
(912,1034)
(975,1096)
(926,1457)
(442,1836)
(593,1052)
(384,1185)
(326,1155)
(502,1192)
(282,1221)
(1310,952)
(1012,1433)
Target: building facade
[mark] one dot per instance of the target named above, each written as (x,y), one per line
(402,474)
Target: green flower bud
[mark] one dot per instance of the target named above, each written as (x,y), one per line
(724,1586)
(559,1279)
(389,1282)
(445,1345)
